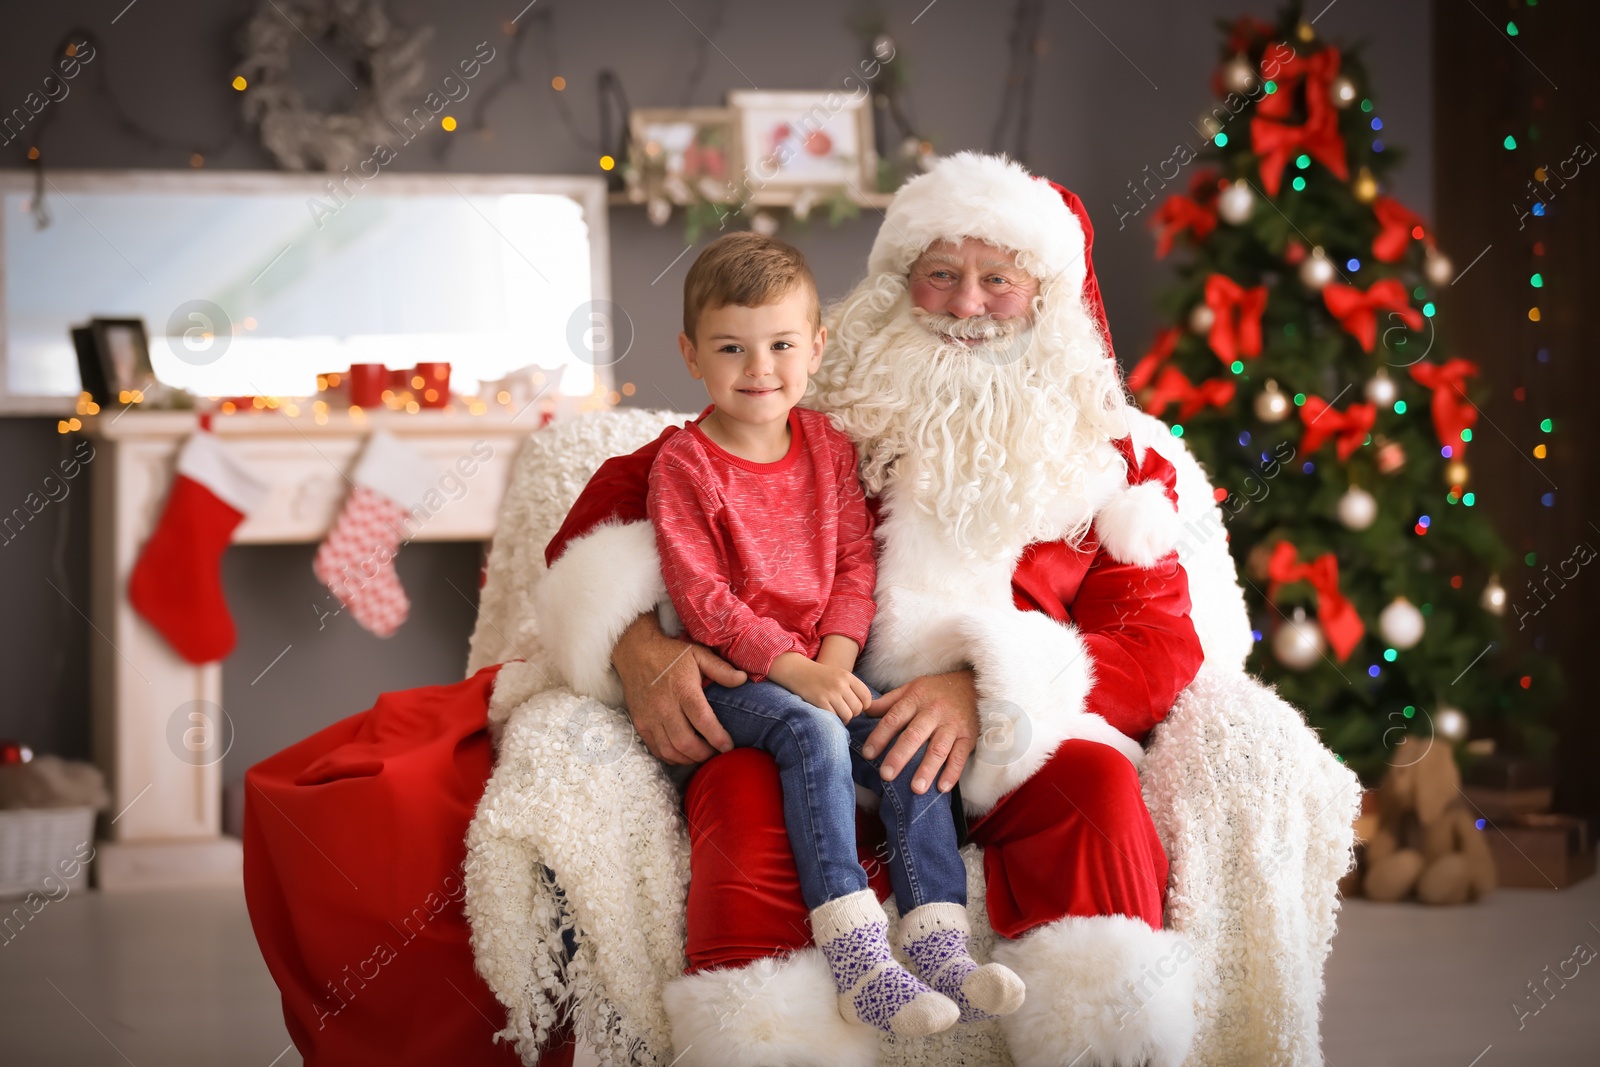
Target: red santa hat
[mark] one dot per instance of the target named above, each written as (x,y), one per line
(994,199)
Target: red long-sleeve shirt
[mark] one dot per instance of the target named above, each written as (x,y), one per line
(765,558)
(1135,621)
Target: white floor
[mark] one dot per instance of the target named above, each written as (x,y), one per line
(174,979)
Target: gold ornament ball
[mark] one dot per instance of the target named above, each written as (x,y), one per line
(1456,473)
(1366,188)
(1316,270)
(1439,269)
(1343,91)
(1238,75)
(1202,318)
(1494,597)
(1299,643)
(1305,32)
(1271,404)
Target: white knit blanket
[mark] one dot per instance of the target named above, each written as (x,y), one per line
(579,835)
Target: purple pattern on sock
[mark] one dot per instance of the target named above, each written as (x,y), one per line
(943,960)
(855,952)
(884,994)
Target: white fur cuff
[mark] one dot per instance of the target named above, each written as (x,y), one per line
(1106,984)
(1034,676)
(773,1011)
(601,583)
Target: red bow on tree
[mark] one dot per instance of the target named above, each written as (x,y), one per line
(1178,213)
(1246,31)
(1452,411)
(1236,325)
(1395,222)
(1336,615)
(1357,312)
(1172,387)
(1159,353)
(1350,426)
(1276,142)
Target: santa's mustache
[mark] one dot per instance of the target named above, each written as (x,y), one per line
(977,328)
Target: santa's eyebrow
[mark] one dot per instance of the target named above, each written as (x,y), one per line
(951,261)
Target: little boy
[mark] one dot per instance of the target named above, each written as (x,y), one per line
(767,551)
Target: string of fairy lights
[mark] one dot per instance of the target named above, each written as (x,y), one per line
(1540,207)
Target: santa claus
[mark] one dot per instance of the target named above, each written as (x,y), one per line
(1032,628)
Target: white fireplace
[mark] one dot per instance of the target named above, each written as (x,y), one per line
(157,724)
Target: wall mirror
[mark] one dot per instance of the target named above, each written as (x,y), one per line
(252,284)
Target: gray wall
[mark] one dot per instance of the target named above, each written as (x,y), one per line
(1102,111)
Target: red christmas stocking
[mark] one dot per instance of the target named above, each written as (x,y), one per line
(177,583)
(356,560)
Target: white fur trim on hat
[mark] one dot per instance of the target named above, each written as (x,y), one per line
(772,1011)
(1104,989)
(990,197)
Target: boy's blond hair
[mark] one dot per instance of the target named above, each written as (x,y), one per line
(749,270)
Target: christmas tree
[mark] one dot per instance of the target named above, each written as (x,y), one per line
(1306,374)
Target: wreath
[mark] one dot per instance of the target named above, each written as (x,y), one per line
(389,70)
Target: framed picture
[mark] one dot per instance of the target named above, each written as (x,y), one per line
(692,144)
(790,139)
(114,358)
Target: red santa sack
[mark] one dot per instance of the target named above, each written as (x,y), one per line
(353,847)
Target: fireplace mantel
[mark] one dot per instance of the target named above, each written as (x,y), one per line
(164,827)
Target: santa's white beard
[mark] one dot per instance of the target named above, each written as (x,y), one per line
(982,437)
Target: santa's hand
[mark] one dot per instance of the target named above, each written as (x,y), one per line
(939,710)
(661,682)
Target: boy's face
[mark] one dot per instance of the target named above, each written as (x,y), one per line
(756,361)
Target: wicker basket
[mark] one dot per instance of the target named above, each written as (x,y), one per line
(37,844)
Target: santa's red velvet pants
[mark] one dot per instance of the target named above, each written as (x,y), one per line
(1074,839)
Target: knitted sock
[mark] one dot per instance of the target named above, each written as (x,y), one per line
(853,933)
(935,936)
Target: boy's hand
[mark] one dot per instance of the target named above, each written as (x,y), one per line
(821,685)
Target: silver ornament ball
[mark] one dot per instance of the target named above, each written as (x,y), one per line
(1401,623)
(1439,269)
(1316,270)
(1381,389)
(1202,318)
(1299,643)
(1450,724)
(1343,91)
(1238,75)
(1271,404)
(1494,597)
(1357,508)
(1237,203)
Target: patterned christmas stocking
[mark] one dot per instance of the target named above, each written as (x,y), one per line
(177,582)
(356,560)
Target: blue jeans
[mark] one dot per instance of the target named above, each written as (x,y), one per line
(819,758)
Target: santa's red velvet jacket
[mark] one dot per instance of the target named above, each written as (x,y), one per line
(1128,623)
